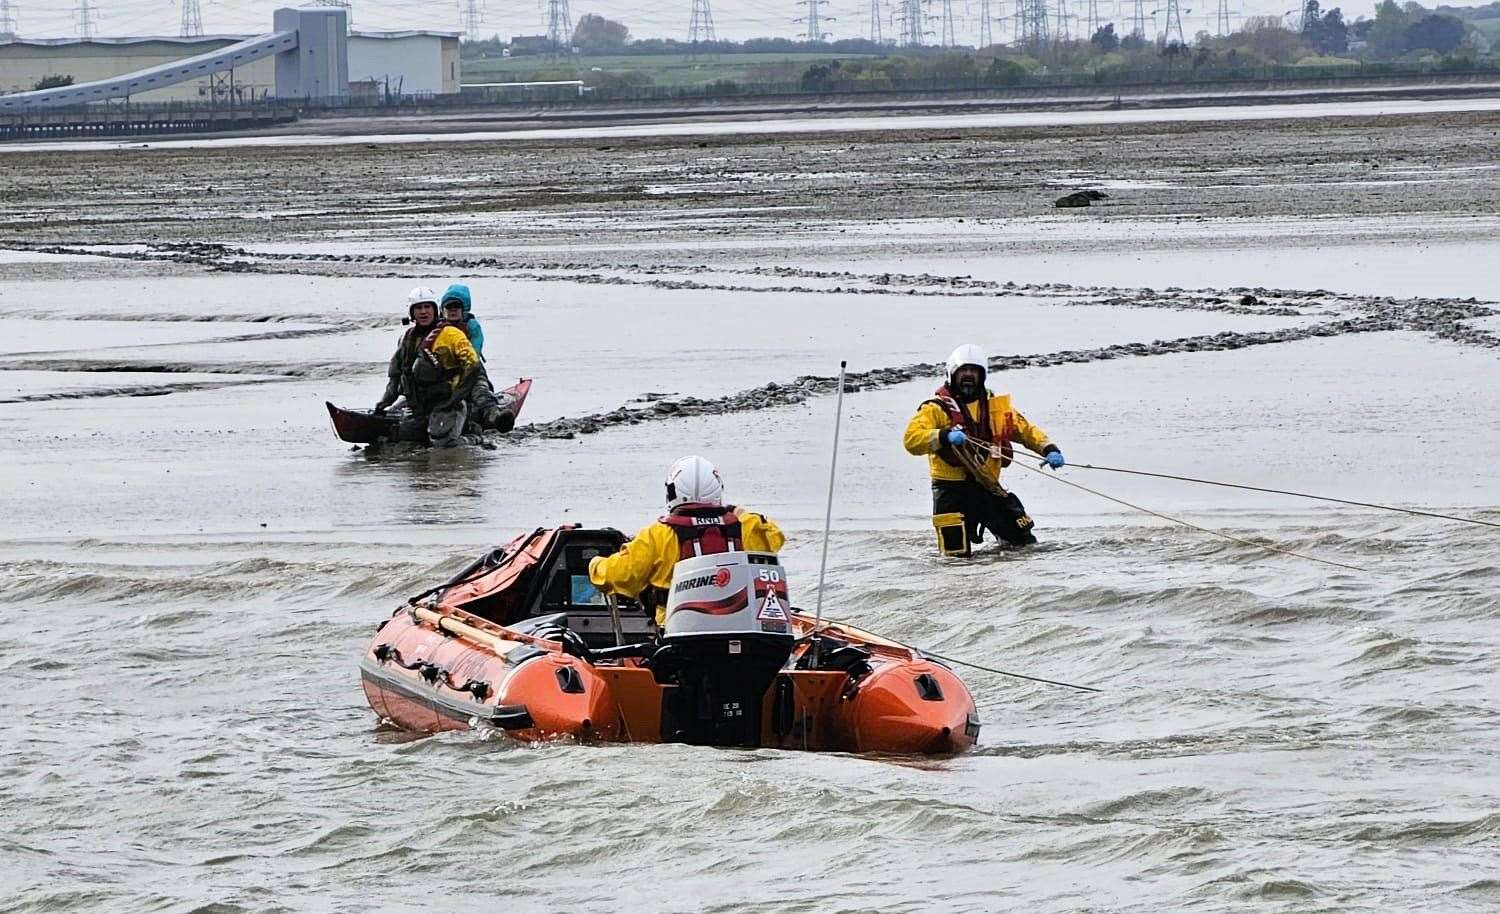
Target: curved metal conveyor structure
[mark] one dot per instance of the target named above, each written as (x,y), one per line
(235,55)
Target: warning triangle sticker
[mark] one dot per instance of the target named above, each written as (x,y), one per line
(771,611)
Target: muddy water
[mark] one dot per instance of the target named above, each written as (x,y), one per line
(187,578)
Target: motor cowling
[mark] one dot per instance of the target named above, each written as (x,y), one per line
(728,633)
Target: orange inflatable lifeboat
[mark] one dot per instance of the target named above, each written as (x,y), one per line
(521,642)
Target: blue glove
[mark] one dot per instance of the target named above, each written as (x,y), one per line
(955,436)
(1055,459)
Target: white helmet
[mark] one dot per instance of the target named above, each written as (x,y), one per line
(694,480)
(421,295)
(967,354)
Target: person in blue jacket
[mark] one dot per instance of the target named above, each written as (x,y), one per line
(462,316)
(489,409)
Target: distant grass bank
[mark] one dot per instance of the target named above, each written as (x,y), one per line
(663,70)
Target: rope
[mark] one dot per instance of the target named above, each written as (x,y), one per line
(1177,520)
(990,669)
(1341,501)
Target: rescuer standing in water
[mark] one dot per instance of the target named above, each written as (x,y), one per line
(965,431)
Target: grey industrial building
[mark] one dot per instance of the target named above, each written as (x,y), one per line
(406,63)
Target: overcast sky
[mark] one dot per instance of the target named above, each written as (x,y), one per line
(735,19)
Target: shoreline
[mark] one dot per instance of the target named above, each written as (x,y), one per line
(369,125)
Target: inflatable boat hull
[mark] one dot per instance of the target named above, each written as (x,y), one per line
(362,426)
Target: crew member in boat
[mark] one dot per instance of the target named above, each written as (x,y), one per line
(421,317)
(966,432)
(697,522)
(486,408)
(443,373)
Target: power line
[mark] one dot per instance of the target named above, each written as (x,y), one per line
(1174,23)
(470,15)
(701,27)
(985,38)
(87,18)
(560,24)
(1224,27)
(192,19)
(1033,30)
(913,22)
(1138,20)
(814,19)
(875,34)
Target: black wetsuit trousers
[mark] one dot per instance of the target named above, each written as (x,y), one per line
(1003,515)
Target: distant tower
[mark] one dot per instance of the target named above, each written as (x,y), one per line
(814,19)
(559,24)
(701,26)
(1138,20)
(470,14)
(8,30)
(985,38)
(875,34)
(1032,29)
(1174,23)
(88,19)
(1224,26)
(913,22)
(1062,30)
(948,39)
(192,20)
(1093,20)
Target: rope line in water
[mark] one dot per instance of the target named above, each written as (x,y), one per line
(1341,501)
(1176,520)
(990,669)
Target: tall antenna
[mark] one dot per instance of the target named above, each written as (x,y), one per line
(470,14)
(7,21)
(559,24)
(701,25)
(875,34)
(1063,30)
(948,39)
(1093,20)
(1174,23)
(87,20)
(814,19)
(1138,20)
(192,20)
(985,38)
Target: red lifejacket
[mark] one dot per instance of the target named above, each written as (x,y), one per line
(704,529)
(984,431)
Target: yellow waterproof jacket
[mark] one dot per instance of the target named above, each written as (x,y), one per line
(455,353)
(648,559)
(923,433)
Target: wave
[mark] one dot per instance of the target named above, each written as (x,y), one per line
(1481,830)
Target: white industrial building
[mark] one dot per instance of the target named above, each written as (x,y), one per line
(408,63)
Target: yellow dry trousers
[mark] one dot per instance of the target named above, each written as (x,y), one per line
(952,533)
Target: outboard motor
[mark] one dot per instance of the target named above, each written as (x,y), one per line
(728,633)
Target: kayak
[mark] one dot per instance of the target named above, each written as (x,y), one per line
(363,426)
(521,643)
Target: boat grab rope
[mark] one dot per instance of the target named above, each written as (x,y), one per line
(431,672)
(1167,517)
